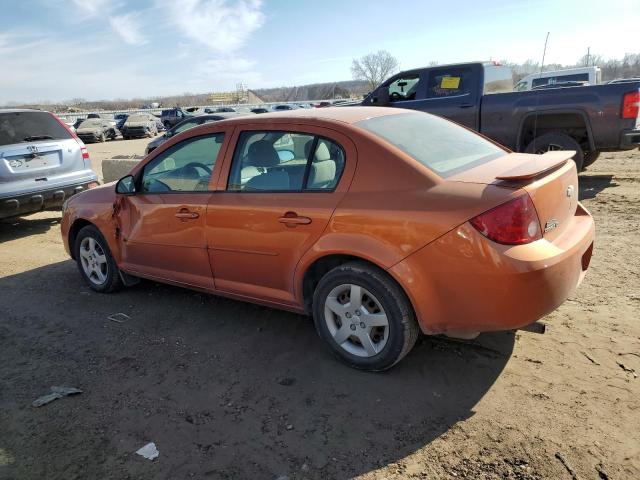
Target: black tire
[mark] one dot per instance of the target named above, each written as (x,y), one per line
(589,158)
(557,141)
(402,326)
(113,281)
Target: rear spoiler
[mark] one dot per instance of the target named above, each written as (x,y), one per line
(529,165)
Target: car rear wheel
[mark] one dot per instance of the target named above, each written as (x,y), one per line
(364,317)
(589,158)
(95,262)
(557,141)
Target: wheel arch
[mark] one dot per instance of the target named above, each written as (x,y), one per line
(76,226)
(554,120)
(310,276)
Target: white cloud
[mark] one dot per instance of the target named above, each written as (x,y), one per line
(92,8)
(219,24)
(128,28)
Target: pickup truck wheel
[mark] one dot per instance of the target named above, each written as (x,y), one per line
(557,141)
(364,316)
(95,262)
(589,158)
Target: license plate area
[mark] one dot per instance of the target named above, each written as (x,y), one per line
(29,162)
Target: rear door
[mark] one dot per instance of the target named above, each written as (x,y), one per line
(453,92)
(273,203)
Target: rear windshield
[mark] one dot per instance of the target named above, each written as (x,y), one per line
(438,144)
(17,127)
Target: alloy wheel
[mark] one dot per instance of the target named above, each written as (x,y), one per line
(356,320)
(94,261)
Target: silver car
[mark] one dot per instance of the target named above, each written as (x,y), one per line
(42,162)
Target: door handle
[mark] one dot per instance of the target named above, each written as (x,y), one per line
(291,219)
(185,214)
(466,105)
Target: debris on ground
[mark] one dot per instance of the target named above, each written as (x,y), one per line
(56,393)
(149,451)
(573,474)
(627,369)
(119,317)
(590,358)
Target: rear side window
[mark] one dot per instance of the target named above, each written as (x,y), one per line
(17,127)
(440,145)
(278,161)
(449,82)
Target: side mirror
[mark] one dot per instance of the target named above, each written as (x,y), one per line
(126,186)
(382,94)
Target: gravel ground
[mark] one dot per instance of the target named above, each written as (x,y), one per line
(228,390)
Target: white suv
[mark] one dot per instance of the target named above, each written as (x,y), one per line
(42,162)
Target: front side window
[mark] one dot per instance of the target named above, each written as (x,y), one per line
(404,88)
(285,161)
(449,82)
(185,167)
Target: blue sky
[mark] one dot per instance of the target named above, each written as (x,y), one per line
(102,49)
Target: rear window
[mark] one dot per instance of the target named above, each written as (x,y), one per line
(442,146)
(92,122)
(17,127)
(138,118)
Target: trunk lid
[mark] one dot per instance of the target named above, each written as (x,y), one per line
(550,179)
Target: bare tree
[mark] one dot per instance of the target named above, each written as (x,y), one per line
(374,68)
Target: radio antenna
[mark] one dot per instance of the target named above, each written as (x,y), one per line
(535,120)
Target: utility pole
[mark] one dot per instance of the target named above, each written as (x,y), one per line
(588,55)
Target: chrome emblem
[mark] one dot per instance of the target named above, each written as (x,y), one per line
(550,225)
(570,191)
(15,163)
(32,148)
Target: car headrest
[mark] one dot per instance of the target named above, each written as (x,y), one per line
(322,151)
(262,154)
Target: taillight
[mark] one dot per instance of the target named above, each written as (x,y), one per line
(91,185)
(83,148)
(512,223)
(631,105)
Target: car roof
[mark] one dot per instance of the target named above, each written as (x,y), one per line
(19,110)
(348,115)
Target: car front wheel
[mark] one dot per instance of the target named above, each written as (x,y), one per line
(95,262)
(364,316)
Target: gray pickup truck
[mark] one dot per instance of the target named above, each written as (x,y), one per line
(42,162)
(479,95)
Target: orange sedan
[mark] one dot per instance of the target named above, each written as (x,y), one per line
(379,222)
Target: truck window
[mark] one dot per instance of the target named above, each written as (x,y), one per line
(404,88)
(577,77)
(449,82)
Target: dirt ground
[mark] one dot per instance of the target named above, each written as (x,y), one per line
(228,390)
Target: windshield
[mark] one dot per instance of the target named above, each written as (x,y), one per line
(138,118)
(438,144)
(93,123)
(16,127)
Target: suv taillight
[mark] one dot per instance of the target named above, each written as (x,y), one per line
(631,105)
(512,223)
(83,148)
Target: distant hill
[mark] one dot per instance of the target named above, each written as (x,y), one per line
(315,91)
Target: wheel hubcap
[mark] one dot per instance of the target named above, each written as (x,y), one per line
(94,261)
(356,320)
(552,147)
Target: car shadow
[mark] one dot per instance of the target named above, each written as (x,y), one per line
(19,227)
(591,185)
(225,389)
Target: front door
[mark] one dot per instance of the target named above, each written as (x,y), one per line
(279,194)
(162,226)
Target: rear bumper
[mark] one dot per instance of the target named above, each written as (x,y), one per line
(630,139)
(89,137)
(49,199)
(463,282)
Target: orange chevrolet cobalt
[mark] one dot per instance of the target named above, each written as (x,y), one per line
(381,223)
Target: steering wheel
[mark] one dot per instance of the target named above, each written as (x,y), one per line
(395,96)
(191,169)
